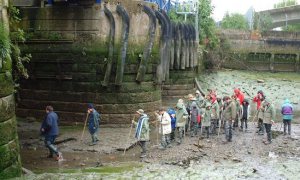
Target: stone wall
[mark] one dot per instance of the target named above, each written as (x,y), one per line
(10,165)
(269,51)
(69,57)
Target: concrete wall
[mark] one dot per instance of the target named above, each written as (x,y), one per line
(270,51)
(10,165)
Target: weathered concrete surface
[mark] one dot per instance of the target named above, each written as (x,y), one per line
(281,16)
(270,51)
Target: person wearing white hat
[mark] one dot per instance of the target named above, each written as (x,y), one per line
(165,128)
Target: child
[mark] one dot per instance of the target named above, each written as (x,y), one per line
(172,112)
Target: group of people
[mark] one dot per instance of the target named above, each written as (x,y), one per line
(207,114)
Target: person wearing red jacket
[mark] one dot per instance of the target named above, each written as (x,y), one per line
(240,95)
(259,113)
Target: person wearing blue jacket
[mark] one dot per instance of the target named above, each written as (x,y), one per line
(93,123)
(287,115)
(172,113)
(49,129)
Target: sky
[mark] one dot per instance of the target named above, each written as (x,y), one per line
(239,6)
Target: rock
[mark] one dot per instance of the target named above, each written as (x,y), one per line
(82,164)
(254,170)
(260,81)
(236,160)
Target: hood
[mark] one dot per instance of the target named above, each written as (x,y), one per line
(236,91)
(287,101)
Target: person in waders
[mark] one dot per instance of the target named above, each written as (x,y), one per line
(93,123)
(142,131)
(206,119)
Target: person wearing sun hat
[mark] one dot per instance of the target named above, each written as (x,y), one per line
(142,131)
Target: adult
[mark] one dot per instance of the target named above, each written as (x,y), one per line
(206,119)
(215,115)
(259,113)
(239,95)
(49,129)
(165,128)
(195,119)
(93,122)
(181,118)
(142,131)
(268,118)
(287,116)
(199,98)
(229,114)
(245,114)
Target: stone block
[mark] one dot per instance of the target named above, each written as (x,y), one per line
(8,131)
(7,108)
(15,170)
(9,155)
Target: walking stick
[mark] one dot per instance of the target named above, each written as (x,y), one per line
(128,136)
(157,132)
(84,126)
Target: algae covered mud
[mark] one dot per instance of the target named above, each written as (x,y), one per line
(245,158)
(276,86)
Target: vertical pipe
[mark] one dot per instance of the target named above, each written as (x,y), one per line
(177,46)
(122,56)
(111,45)
(148,48)
(161,71)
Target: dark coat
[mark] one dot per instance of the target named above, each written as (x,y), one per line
(50,124)
(93,121)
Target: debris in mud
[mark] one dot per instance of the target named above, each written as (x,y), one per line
(254,170)
(272,155)
(236,160)
(65,140)
(260,81)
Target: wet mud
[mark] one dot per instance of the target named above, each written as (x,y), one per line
(247,157)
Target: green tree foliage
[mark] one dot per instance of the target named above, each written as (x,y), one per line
(17,36)
(4,44)
(262,22)
(292,28)
(285,3)
(207,26)
(234,21)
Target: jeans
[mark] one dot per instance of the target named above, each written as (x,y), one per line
(268,131)
(49,143)
(287,123)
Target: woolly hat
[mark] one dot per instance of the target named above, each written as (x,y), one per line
(197,92)
(90,106)
(140,111)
